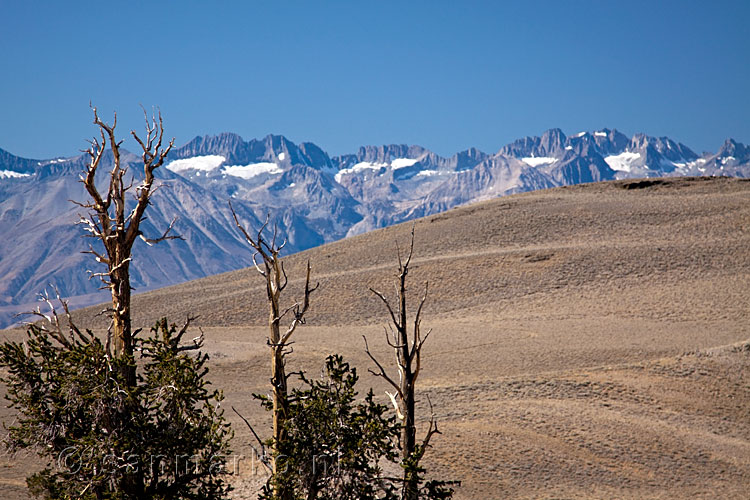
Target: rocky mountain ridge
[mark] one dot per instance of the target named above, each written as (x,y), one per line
(312,197)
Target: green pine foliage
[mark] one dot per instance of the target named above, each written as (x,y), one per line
(334,445)
(164,438)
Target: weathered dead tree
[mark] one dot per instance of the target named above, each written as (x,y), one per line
(109,221)
(276,281)
(407,346)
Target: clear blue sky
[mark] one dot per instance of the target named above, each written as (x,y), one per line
(447,75)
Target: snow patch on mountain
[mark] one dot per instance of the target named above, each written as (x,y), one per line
(282,156)
(402,163)
(50,162)
(677,164)
(359,167)
(251,170)
(537,161)
(428,173)
(7,174)
(622,162)
(205,163)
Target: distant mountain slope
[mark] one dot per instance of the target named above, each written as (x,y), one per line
(312,197)
(42,245)
(643,234)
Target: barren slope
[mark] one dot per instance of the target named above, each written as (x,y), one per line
(575,346)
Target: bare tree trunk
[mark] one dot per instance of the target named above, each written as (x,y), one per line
(276,281)
(410,490)
(278,373)
(280,399)
(121,324)
(408,350)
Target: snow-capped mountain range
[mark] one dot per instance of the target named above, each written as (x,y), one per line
(312,197)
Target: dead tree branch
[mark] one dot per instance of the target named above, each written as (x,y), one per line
(51,323)
(262,455)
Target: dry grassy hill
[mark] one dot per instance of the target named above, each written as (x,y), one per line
(588,341)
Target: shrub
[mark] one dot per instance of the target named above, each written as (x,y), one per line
(103,438)
(334,446)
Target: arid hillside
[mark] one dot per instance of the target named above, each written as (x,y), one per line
(587,342)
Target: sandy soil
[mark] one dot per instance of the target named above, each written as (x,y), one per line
(588,342)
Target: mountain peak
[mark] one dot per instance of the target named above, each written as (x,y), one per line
(223,143)
(276,140)
(554,133)
(551,143)
(734,148)
(386,153)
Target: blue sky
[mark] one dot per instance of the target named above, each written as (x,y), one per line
(445,75)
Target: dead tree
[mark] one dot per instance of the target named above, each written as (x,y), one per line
(407,347)
(276,281)
(110,221)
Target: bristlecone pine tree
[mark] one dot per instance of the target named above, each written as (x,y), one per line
(108,429)
(276,281)
(408,350)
